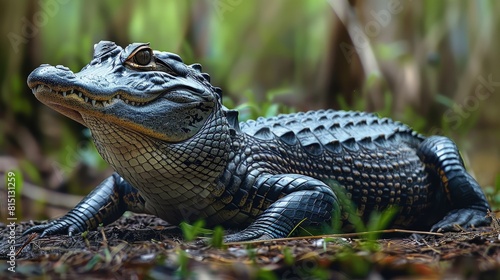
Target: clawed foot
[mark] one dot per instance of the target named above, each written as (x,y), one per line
(464,218)
(62,226)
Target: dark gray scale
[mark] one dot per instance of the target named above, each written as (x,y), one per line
(309,142)
(264,133)
(360,152)
(284,134)
(328,127)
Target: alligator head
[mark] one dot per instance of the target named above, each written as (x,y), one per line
(150,92)
(157,121)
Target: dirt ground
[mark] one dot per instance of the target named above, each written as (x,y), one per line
(144,247)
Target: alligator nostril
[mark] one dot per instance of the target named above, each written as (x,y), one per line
(62,67)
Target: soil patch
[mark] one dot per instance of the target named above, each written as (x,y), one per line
(142,247)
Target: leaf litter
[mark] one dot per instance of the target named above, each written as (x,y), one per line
(145,247)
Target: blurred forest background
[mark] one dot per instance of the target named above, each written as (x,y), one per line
(431,64)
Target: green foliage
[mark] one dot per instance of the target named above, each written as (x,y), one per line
(107,255)
(75,150)
(288,256)
(356,264)
(414,119)
(358,105)
(90,156)
(17,103)
(217,239)
(191,232)
(31,171)
(380,220)
(376,222)
(493,194)
(265,274)
(452,122)
(320,273)
(252,108)
(68,157)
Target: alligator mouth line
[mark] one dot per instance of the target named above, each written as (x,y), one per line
(86,99)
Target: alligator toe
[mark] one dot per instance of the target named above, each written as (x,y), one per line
(462,218)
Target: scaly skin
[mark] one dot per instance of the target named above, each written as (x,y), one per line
(182,156)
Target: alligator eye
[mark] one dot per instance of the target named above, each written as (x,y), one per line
(143,57)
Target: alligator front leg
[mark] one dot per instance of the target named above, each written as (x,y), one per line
(104,205)
(300,200)
(463,194)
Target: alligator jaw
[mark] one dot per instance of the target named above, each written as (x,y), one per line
(73,102)
(79,105)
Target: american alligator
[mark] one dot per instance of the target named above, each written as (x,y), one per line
(181,155)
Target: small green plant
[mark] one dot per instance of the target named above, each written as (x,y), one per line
(85,236)
(346,212)
(217,239)
(349,213)
(191,232)
(97,258)
(288,256)
(380,220)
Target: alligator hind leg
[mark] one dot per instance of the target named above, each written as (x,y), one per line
(466,199)
(299,200)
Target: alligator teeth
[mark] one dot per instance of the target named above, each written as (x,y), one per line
(88,99)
